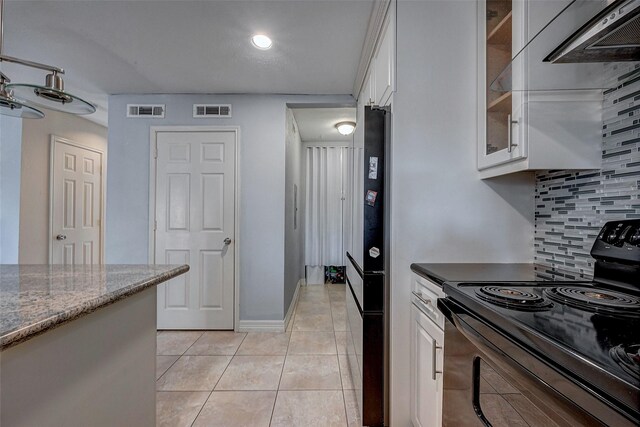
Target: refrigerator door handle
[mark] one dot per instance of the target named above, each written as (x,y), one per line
(355,265)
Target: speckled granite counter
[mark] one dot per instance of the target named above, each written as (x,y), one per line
(36,298)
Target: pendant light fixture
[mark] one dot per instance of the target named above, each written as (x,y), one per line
(9,106)
(15,97)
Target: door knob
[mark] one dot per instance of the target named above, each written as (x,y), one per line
(61,237)
(227,241)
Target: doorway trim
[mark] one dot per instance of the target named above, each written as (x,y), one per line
(103,187)
(153,158)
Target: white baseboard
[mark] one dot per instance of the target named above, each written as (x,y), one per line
(261,326)
(272,325)
(294,303)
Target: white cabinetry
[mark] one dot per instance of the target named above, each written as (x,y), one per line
(383,67)
(427,344)
(426,379)
(369,91)
(379,83)
(521,129)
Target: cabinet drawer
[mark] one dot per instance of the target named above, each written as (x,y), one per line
(425,295)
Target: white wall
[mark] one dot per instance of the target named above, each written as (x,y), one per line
(10,152)
(34,186)
(441,210)
(293,237)
(262,186)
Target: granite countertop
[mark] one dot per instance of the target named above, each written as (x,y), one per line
(463,272)
(36,298)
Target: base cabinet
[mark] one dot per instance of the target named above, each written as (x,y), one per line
(426,370)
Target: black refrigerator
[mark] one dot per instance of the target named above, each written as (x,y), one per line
(367,293)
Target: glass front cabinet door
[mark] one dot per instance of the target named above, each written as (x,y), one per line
(502,114)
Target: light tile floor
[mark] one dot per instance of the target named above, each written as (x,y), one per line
(291,379)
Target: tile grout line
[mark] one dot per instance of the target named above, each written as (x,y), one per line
(179,355)
(176,361)
(335,339)
(335,342)
(286,354)
(272,390)
(214,386)
(344,402)
(170,366)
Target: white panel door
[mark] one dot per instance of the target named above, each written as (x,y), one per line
(195,214)
(76,204)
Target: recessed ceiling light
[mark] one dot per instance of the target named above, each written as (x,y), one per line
(261,41)
(346,128)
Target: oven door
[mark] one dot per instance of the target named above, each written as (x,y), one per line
(484,385)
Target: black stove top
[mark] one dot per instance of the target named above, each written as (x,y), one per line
(588,330)
(597,344)
(598,300)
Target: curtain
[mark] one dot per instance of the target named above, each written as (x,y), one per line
(325,176)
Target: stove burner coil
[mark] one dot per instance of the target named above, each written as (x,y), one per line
(628,357)
(595,299)
(513,298)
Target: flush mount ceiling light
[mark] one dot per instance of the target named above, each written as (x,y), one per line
(14,98)
(261,42)
(346,128)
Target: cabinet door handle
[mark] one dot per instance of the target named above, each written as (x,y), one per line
(434,349)
(510,124)
(424,300)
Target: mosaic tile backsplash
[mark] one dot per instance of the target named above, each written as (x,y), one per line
(571,207)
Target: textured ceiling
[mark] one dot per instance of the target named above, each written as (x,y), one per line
(151,46)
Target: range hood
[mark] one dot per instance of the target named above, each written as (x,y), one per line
(575,45)
(612,35)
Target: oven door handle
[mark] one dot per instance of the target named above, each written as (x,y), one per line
(452,312)
(446,307)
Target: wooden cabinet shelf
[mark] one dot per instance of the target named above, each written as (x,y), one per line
(501,34)
(501,104)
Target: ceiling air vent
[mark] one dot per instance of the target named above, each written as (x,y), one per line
(211,110)
(145,111)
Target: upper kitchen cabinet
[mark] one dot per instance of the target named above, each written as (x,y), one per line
(379,83)
(521,129)
(384,67)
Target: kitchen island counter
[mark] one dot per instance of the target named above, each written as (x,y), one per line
(80,341)
(36,298)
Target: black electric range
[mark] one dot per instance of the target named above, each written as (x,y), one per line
(588,332)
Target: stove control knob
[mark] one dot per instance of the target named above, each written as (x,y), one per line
(634,239)
(611,237)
